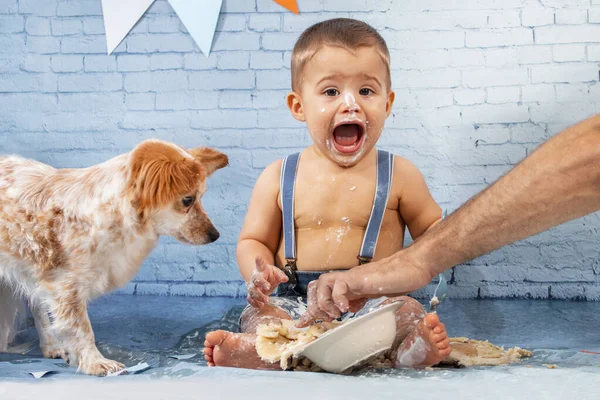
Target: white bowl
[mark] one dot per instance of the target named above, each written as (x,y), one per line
(355,341)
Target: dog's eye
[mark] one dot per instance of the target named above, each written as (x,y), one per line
(188,201)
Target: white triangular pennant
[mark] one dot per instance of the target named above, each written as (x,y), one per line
(120,17)
(200,19)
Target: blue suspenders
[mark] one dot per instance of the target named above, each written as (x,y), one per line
(289,168)
(385,169)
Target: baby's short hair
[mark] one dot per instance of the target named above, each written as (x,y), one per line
(343,32)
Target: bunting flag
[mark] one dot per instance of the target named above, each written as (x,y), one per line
(199,18)
(291,5)
(120,17)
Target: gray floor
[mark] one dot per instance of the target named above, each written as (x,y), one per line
(134,329)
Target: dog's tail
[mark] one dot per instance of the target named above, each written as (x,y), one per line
(12,308)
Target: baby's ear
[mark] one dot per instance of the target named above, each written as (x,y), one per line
(294,103)
(211,159)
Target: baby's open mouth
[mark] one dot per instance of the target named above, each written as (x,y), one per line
(348,137)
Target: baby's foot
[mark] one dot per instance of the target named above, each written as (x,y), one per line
(228,349)
(425,346)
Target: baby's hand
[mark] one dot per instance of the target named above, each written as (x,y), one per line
(263,282)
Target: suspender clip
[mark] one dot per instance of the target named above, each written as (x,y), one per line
(364,260)
(290,271)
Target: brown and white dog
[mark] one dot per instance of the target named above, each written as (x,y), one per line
(69,235)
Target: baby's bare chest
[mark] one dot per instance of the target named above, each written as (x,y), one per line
(323,201)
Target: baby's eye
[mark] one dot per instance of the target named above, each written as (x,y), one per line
(365,92)
(331,92)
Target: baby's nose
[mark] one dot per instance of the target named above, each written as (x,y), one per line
(351,103)
(354,108)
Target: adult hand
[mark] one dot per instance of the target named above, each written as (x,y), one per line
(263,282)
(330,296)
(337,292)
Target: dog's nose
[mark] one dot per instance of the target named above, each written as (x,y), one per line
(213,234)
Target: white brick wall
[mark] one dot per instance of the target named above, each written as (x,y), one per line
(479,84)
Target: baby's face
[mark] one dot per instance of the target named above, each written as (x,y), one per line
(344,100)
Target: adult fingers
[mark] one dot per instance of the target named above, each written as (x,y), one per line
(324,295)
(313,311)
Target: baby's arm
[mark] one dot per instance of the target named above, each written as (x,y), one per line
(417,208)
(262,227)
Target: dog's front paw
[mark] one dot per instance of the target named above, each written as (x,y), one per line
(54,351)
(100,366)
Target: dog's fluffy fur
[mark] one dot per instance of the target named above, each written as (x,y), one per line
(69,235)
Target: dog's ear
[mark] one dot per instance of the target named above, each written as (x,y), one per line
(159,173)
(211,159)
